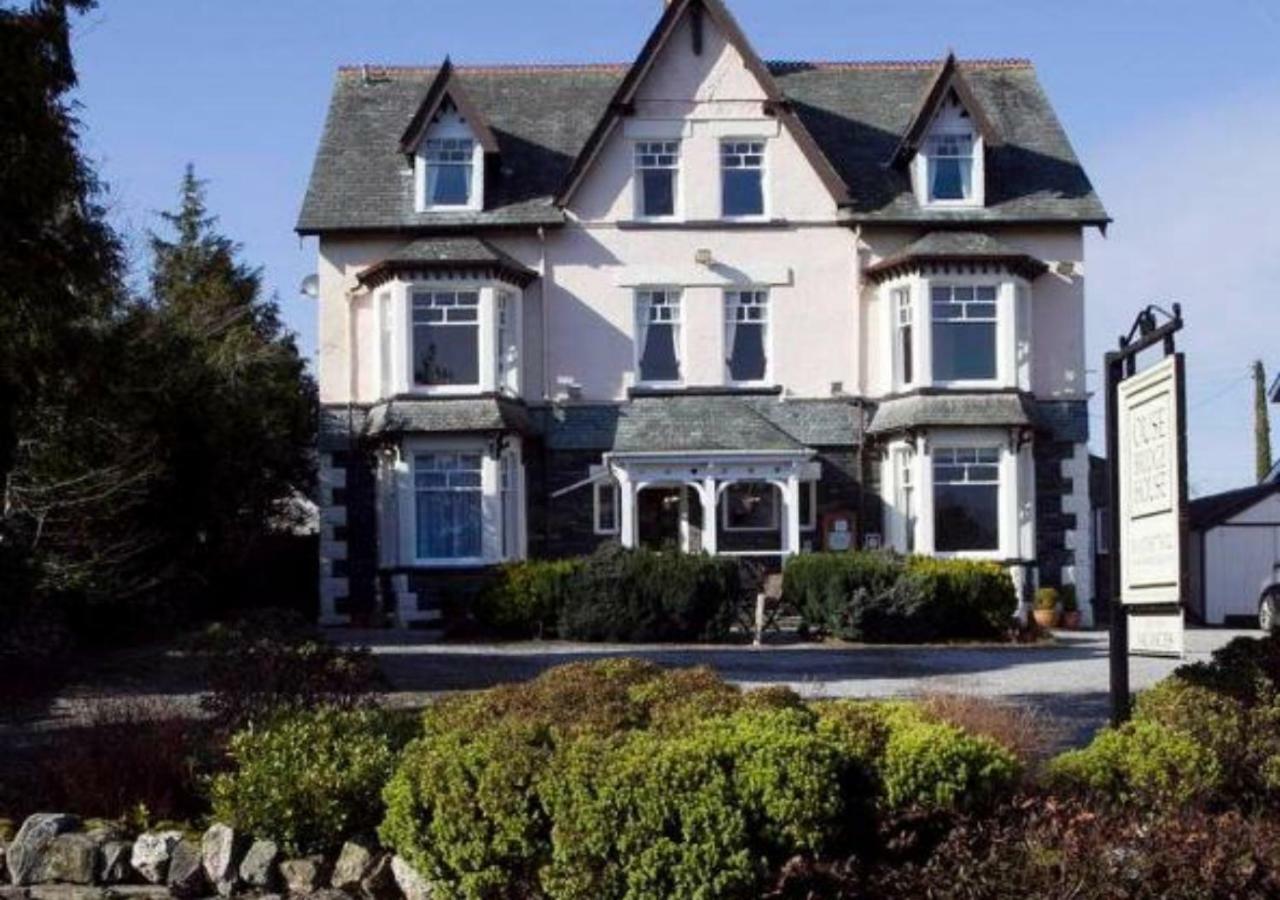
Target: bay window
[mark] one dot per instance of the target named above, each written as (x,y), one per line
(746,319)
(904,336)
(448,505)
(963,332)
(742,178)
(966,499)
(508,349)
(658,336)
(657,166)
(446,338)
(904,469)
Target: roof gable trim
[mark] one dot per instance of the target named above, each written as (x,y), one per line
(948,79)
(446,86)
(776,104)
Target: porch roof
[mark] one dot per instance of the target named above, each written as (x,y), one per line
(697,424)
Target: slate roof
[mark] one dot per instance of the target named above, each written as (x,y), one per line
(701,422)
(1206,512)
(958,246)
(439,414)
(957,409)
(450,252)
(541,117)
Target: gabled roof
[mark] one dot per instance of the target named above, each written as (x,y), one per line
(542,117)
(446,86)
(958,247)
(434,254)
(1206,512)
(949,79)
(776,103)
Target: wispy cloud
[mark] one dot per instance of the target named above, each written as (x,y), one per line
(1196,199)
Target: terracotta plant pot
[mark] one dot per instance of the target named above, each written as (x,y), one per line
(1071,619)
(1046,618)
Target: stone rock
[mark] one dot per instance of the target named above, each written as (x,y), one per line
(258,868)
(304,875)
(10,892)
(380,882)
(151,852)
(24,856)
(186,870)
(330,894)
(66,892)
(411,884)
(352,865)
(4,871)
(113,862)
(69,859)
(138,892)
(102,831)
(221,849)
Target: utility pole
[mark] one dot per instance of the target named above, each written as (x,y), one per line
(1261,423)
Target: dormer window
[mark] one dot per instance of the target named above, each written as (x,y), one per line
(950,173)
(449,170)
(449,163)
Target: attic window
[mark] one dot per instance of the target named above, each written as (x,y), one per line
(449,170)
(950,167)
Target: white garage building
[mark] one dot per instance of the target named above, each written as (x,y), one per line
(1234,553)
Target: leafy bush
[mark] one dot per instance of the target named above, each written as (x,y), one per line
(1142,762)
(309,779)
(643,595)
(525,598)
(1019,729)
(1247,669)
(878,596)
(1046,598)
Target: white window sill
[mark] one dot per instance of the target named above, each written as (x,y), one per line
(445,390)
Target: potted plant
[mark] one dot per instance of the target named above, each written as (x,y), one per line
(1046,607)
(1070,607)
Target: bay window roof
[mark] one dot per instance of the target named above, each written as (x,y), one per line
(966,410)
(470,415)
(442,255)
(947,247)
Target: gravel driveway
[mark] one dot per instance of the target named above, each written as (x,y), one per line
(1068,680)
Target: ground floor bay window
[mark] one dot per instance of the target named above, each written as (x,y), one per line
(451,502)
(961,492)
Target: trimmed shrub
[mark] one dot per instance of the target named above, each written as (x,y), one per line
(619,594)
(878,596)
(1019,729)
(462,809)
(1247,669)
(525,598)
(307,780)
(1142,762)
(935,765)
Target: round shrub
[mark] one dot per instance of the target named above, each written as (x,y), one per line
(1217,722)
(936,765)
(525,598)
(307,780)
(462,809)
(1143,762)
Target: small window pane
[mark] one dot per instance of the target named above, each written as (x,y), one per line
(751,506)
(964,351)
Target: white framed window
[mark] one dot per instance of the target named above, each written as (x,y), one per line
(658,336)
(966,499)
(508,348)
(746,336)
(950,168)
(904,336)
(963,330)
(446,338)
(905,501)
(448,506)
(657,166)
(741,178)
(386,341)
(509,502)
(750,506)
(606,506)
(808,505)
(449,164)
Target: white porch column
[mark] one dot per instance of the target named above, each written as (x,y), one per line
(627,512)
(791,509)
(710,516)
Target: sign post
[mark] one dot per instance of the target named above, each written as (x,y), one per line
(1147,462)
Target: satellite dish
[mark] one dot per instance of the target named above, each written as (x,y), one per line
(310,286)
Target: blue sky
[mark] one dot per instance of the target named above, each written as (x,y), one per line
(1173,106)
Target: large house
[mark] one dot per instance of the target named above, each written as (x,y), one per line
(700,300)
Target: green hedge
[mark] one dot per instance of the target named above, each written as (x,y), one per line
(619,779)
(647,595)
(525,598)
(880,596)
